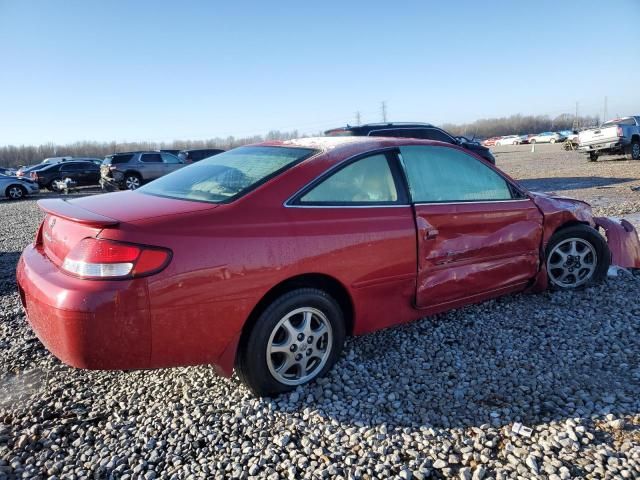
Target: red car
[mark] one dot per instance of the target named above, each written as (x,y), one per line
(265,257)
(491,141)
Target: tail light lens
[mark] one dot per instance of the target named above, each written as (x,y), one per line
(34,176)
(95,258)
(620,134)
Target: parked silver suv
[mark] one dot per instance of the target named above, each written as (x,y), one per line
(130,170)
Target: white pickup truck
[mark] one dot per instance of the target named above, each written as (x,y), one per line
(619,136)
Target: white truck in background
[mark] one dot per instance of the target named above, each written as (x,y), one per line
(619,136)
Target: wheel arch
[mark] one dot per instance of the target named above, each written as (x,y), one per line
(321,281)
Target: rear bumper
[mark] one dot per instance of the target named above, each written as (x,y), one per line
(594,147)
(86,324)
(623,241)
(119,325)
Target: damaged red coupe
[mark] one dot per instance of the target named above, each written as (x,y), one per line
(265,257)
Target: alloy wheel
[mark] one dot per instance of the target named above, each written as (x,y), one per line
(299,346)
(572,263)
(15,193)
(132,182)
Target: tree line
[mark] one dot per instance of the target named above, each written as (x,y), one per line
(14,156)
(520,125)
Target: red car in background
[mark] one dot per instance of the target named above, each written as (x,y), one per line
(265,257)
(491,141)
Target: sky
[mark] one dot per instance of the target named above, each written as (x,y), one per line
(159,71)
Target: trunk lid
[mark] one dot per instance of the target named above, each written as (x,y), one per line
(69,221)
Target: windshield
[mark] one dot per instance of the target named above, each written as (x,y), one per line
(228,175)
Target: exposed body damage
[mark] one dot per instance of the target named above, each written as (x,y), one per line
(559,211)
(623,241)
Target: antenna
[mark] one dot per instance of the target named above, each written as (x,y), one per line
(604,119)
(383,108)
(358,119)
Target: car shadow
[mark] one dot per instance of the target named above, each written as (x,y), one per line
(442,378)
(8,262)
(570,183)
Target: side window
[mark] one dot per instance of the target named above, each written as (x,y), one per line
(168,158)
(71,167)
(435,134)
(151,158)
(443,174)
(365,181)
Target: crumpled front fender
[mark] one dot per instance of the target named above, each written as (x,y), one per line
(623,241)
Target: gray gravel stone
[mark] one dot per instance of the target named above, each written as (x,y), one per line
(436,397)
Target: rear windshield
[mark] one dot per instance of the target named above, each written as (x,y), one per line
(115,159)
(340,132)
(223,177)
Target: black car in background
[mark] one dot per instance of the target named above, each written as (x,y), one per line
(412,130)
(197,154)
(82,173)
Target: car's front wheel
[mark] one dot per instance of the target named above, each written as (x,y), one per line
(297,339)
(576,256)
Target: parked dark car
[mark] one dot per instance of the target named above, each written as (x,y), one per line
(413,130)
(82,173)
(197,154)
(130,170)
(11,172)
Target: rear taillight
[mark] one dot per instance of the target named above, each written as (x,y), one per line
(112,167)
(34,176)
(620,134)
(94,258)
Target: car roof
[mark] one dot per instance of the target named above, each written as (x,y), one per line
(350,145)
(384,125)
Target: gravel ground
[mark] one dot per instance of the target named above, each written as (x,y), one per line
(437,398)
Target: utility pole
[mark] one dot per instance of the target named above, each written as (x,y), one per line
(576,123)
(384,112)
(605,116)
(358,122)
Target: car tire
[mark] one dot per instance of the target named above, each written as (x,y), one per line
(15,192)
(51,186)
(280,337)
(593,157)
(635,150)
(576,257)
(132,181)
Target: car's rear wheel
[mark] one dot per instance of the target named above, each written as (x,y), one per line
(132,181)
(15,192)
(297,339)
(51,186)
(593,157)
(635,150)
(576,256)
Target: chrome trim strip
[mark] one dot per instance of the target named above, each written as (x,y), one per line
(406,205)
(473,202)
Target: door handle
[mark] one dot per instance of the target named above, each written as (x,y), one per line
(431,233)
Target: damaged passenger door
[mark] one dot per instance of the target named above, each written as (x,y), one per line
(477,234)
